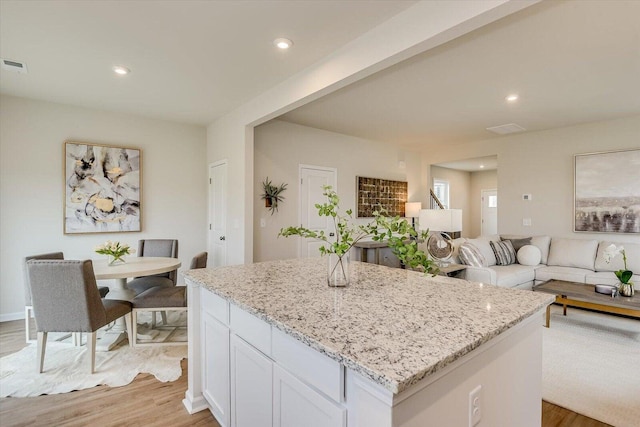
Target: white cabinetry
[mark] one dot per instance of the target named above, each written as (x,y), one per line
(251,386)
(296,404)
(215,366)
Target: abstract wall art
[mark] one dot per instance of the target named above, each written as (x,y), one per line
(102,189)
(607,192)
(375,194)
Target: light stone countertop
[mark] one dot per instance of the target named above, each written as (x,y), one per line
(391,325)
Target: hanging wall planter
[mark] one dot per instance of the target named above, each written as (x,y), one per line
(271,194)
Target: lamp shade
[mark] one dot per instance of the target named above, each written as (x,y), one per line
(412,209)
(446,220)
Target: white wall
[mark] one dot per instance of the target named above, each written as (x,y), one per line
(459,193)
(417,29)
(541,163)
(32,134)
(280,147)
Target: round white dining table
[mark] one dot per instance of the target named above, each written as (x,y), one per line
(132,267)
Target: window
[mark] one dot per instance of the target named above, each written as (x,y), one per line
(441,189)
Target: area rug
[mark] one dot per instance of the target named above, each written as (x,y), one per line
(591,365)
(66,367)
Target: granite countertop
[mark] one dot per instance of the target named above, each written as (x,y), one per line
(391,325)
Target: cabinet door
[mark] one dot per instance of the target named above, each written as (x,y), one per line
(296,404)
(251,386)
(215,367)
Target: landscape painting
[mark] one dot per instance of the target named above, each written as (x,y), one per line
(102,189)
(607,192)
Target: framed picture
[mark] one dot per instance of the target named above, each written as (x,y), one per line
(607,192)
(102,189)
(375,194)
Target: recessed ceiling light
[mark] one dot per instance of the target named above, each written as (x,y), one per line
(481,166)
(512,98)
(283,43)
(120,70)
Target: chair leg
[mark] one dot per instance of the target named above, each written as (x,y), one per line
(42,345)
(130,323)
(91,347)
(133,338)
(27,322)
(164,318)
(77,339)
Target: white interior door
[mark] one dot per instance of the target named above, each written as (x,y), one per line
(312,179)
(489,213)
(218,214)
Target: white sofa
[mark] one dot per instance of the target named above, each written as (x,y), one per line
(575,260)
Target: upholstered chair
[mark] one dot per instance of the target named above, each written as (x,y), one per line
(155,248)
(28,307)
(165,299)
(199,261)
(66,299)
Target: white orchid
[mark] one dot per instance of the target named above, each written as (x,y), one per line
(611,251)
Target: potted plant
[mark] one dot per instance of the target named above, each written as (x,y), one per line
(271,194)
(401,237)
(624,275)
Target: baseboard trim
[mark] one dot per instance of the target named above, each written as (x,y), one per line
(194,405)
(8,317)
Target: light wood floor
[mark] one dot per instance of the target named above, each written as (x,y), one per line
(147,402)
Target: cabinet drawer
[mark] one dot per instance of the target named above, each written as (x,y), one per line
(318,370)
(255,331)
(217,306)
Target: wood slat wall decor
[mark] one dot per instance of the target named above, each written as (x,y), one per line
(375,194)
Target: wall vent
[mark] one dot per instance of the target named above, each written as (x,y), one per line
(15,66)
(505,129)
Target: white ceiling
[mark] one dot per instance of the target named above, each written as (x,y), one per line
(570,62)
(191,61)
(476,164)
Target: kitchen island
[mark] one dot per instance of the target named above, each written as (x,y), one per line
(270,344)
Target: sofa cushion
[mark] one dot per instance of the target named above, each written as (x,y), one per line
(570,274)
(518,243)
(482,243)
(469,254)
(632,250)
(504,252)
(573,253)
(455,256)
(541,242)
(529,255)
(508,276)
(607,278)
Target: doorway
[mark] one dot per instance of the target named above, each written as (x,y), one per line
(489,212)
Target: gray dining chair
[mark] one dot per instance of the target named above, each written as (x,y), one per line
(165,299)
(28,306)
(66,299)
(155,248)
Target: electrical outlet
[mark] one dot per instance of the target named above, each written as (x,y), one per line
(526,222)
(263,222)
(475,406)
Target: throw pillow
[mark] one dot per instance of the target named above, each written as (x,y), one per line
(518,243)
(470,255)
(529,255)
(505,254)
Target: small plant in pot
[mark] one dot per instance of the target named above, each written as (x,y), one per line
(271,194)
(400,236)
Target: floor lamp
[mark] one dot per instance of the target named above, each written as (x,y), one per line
(440,222)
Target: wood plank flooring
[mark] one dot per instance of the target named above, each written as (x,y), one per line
(147,402)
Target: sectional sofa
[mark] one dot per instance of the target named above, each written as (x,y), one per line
(575,260)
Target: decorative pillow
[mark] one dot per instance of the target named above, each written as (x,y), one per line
(529,255)
(482,244)
(518,243)
(504,252)
(470,255)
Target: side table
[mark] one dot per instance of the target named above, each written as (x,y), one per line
(453,270)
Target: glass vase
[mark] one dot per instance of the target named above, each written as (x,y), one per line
(338,270)
(626,289)
(115,260)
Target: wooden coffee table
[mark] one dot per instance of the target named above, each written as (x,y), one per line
(571,294)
